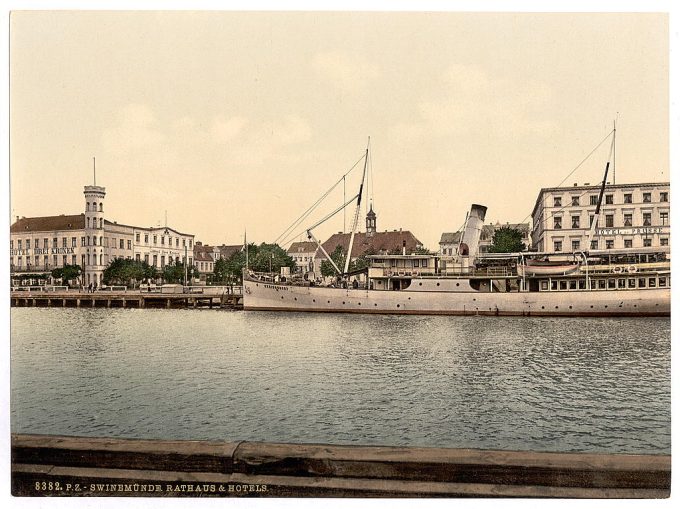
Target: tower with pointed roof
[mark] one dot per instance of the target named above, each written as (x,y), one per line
(370,222)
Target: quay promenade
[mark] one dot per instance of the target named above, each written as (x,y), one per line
(120,297)
(46,465)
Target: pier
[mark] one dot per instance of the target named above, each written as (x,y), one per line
(44,465)
(208,297)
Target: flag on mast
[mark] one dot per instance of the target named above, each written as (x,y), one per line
(245,246)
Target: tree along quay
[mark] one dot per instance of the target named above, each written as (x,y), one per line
(123,299)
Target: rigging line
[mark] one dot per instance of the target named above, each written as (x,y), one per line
(310,209)
(577,166)
(568,204)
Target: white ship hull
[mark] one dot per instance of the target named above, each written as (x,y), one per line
(259,295)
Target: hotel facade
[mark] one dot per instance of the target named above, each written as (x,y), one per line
(39,245)
(632,216)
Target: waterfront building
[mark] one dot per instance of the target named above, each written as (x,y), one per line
(632,216)
(371,242)
(449,242)
(38,245)
(303,254)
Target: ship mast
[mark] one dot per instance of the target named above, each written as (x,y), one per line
(596,217)
(356,211)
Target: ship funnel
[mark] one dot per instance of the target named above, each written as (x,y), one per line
(473,229)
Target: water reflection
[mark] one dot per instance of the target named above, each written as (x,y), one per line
(487,382)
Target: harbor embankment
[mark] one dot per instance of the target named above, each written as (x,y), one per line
(44,465)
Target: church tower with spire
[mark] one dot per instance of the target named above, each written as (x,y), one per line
(370,222)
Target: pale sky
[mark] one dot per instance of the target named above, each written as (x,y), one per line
(233,121)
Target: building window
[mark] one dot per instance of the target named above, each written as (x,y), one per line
(45,261)
(646,219)
(82,241)
(101,207)
(646,242)
(87,206)
(627,243)
(101,223)
(663,196)
(628,198)
(11,244)
(28,243)
(155,239)
(146,238)
(137,257)
(122,244)
(575,245)
(19,262)
(593,199)
(163,261)
(557,245)
(129,244)
(88,222)
(94,240)
(609,244)
(44,243)
(574,201)
(74,242)
(63,242)
(628,220)
(646,197)
(575,222)
(190,244)
(663,241)
(101,259)
(558,201)
(162,239)
(37,261)
(664,218)
(54,260)
(609,199)
(177,242)
(557,223)
(591,218)
(609,220)
(55,242)
(155,260)
(73,259)
(63,260)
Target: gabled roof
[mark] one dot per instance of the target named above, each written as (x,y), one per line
(49,223)
(378,242)
(302,247)
(228,251)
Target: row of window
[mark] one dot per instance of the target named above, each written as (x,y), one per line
(94,207)
(609,198)
(85,260)
(154,260)
(94,223)
(608,244)
(609,220)
(85,241)
(155,240)
(609,283)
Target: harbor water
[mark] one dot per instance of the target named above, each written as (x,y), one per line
(542,384)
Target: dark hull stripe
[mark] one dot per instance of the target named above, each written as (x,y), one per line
(460,313)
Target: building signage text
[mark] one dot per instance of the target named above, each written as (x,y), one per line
(43,251)
(629,231)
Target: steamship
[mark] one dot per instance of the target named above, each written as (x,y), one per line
(596,283)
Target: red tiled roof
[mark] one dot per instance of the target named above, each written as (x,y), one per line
(48,223)
(379,242)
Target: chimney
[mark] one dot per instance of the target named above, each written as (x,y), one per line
(473,230)
(403,247)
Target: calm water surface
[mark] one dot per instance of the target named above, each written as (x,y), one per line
(600,385)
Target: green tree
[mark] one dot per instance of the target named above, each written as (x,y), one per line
(338,257)
(174,273)
(128,272)
(507,240)
(269,257)
(230,270)
(67,273)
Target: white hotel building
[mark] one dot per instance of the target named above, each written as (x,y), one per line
(632,216)
(40,244)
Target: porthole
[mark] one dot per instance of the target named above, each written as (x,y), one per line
(343,301)
(606,306)
(457,284)
(376,304)
(437,284)
(557,307)
(420,284)
(295,298)
(570,307)
(313,300)
(329,302)
(359,303)
(398,305)
(542,307)
(282,296)
(591,307)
